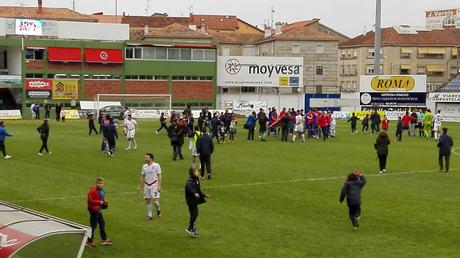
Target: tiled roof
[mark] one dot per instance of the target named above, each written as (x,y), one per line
(154,22)
(445,37)
(235,38)
(60,14)
(215,22)
(303,31)
(107,18)
(172,31)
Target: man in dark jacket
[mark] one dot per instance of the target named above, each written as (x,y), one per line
(193,197)
(445,144)
(352,190)
(353,119)
(96,203)
(110,133)
(375,122)
(58,111)
(204,148)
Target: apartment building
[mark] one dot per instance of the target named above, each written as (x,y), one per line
(405,50)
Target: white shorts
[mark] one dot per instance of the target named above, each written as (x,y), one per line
(436,127)
(194,152)
(130,134)
(151,193)
(298,128)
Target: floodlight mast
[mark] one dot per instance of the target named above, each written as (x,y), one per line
(377,38)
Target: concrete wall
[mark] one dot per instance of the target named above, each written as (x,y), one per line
(93,31)
(14,60)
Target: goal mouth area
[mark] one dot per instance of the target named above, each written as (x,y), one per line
(141,106)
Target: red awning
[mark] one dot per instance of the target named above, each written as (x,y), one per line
(98,55)
(64,54)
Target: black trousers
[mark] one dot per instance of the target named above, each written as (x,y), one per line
(44,144)
(325,134)
(399,135)
(447,158)
(3,148)
(205,161)
(251,133)
(91,128)
(96,218)
(354,211)
(382,161)
(112,144)
(47,114)
(177,151)
(215,134)
(193,210)
(365,127)
(284,133)
(353,128)
(163,125)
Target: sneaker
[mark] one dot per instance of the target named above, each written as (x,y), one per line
(156,132)
(40,154)
(49,153)
(195,234)
(190,232)
(89,244)
(106,242)
(384,171)
(356,222)
(127,149)
(148,218)
(7,157)
(380,172)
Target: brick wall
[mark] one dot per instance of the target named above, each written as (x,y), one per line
(146,87)
(103,67)
(184,90)
(64,66)
(93,87)
(34,64)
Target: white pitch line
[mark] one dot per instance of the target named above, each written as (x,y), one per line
(236,185)
(454,151)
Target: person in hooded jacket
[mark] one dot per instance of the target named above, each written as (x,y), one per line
(351,189)
(193,198)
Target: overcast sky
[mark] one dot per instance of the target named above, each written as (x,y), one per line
(349,17)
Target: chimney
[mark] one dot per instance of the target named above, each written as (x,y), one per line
(146,29)
(278,28)
(268,31)
(40,7)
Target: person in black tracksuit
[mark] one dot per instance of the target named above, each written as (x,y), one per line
(110,133)
(215,127)
(381,146)
(284,124)
(162,122)
(204,148)
(352,190)
(353,119)
(445,144)
(193,197)
(91,124)
(44,131)
(399,130)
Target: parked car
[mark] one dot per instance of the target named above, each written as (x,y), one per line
(113,111)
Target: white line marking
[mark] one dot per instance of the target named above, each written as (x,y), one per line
(237,185)
(454,151)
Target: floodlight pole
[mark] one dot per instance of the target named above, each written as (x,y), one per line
(377,43)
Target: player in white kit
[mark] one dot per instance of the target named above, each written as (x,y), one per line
(151,179)
(437,119)
(130,127)
(298,129)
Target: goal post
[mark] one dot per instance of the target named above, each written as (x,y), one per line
(144,105)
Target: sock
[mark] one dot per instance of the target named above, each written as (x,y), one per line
(135,144)
(303,137)
(293,138)
(157,204)
(435,135)
(149,210)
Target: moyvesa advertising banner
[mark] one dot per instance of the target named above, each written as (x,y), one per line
(254,71)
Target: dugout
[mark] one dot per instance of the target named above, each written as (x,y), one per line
(26,233)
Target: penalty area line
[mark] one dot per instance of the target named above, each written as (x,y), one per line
(301,180)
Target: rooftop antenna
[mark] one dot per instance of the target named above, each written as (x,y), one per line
(147,6)
(22,4)
(190,9)
(73,5)
(272,14)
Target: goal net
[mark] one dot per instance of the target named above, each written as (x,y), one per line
(141,105)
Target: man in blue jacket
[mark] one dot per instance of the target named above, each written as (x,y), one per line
(204,148)
(3,134)
(110,133)
(445,144)
(352,190)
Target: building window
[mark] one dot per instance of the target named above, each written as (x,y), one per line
(348,69)
(355,52)
(320,48)
(148,53)
(342,69)
(421,69)
(354,69)
(226,51)
(404,71)
(197,54)
(343,53)
(209,55)
(371,54)
(161,53)
(319,70)
(173,54)
(133,53)
(349,53)
(370,69)
(34,75)
(185,54)
(295,48)
(35,53)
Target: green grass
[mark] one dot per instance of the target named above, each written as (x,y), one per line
(264,201)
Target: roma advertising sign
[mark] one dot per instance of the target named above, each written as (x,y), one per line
(255,71)
(393,90)
(65,89)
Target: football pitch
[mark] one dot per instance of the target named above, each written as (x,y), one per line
(267,199)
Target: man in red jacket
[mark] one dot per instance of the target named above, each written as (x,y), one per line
(406,122)
(96,203)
